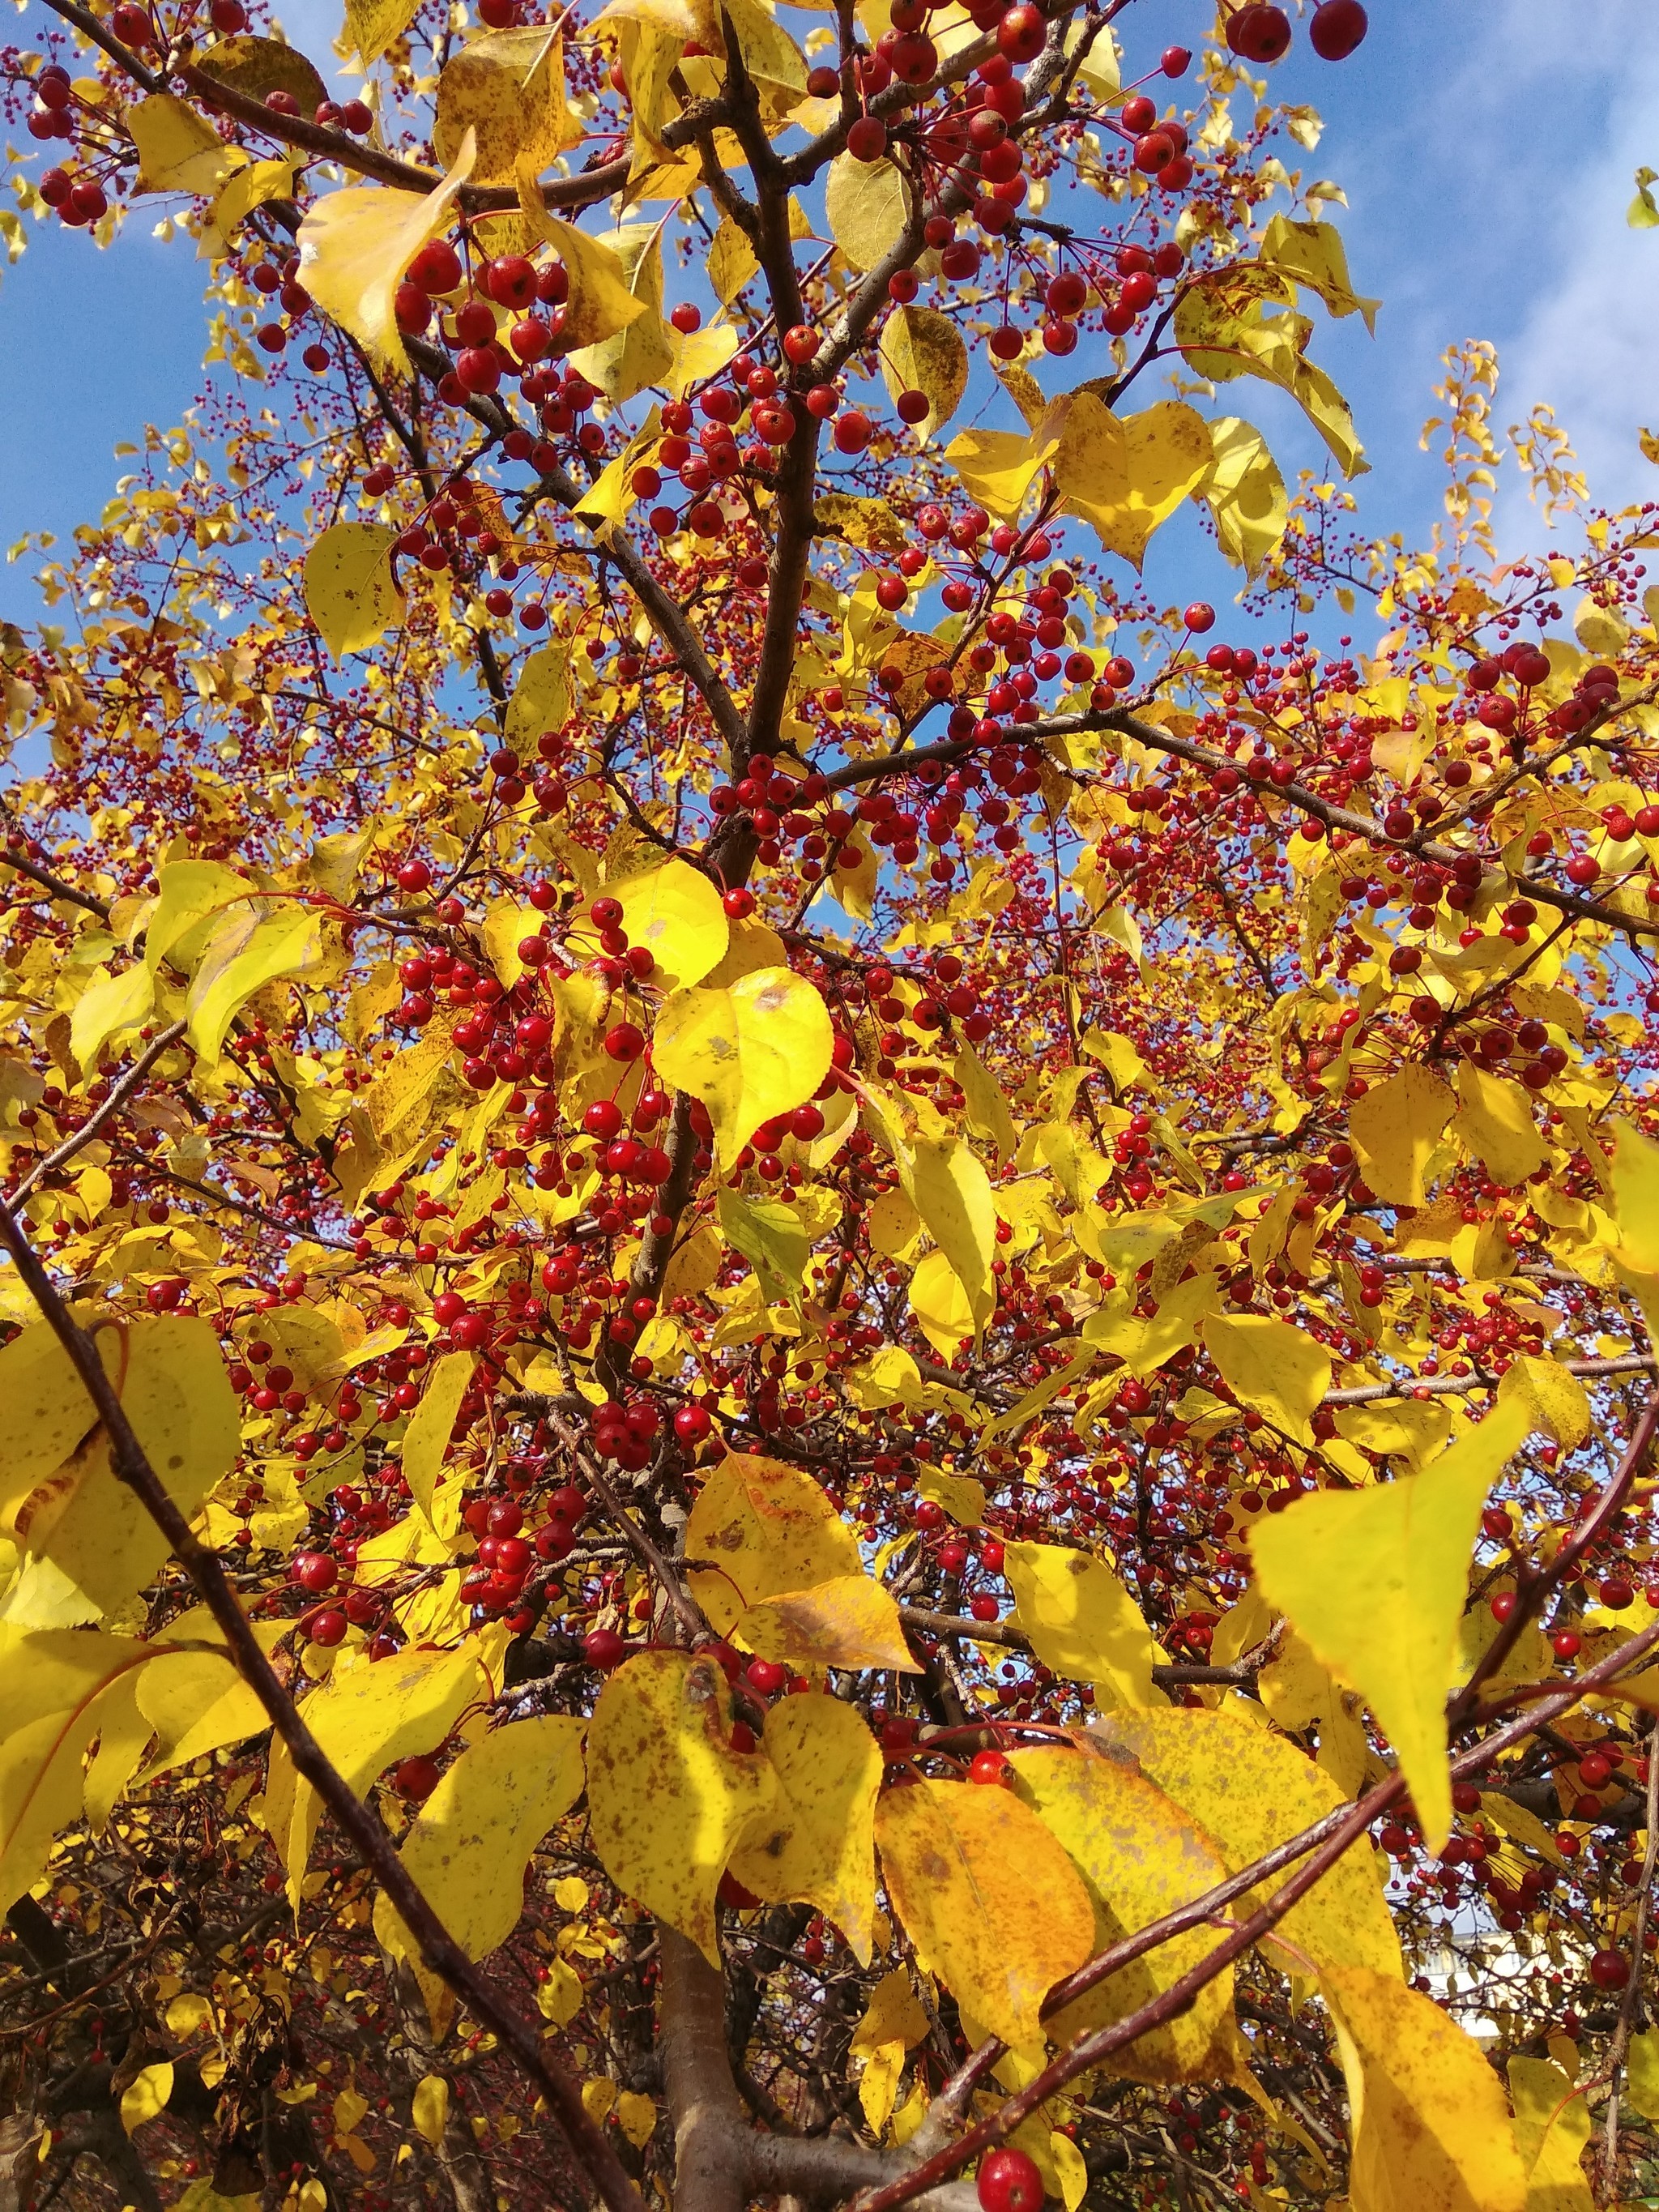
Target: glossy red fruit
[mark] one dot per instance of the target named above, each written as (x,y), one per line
(738,902)
(1021,31)
(315,1571)
(327,1627)
(692,1423)
(867,139)
(1008,2181)
(1259,33)
(1338,27)
(603,1648)
(989,1767)
(415,1779)
(1609,1970)
(1199,617)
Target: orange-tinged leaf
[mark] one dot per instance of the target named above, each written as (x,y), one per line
(988,1895)
(852,1621)
(1376,1580)
(668,1796)
(1139,1856)
(816,1843)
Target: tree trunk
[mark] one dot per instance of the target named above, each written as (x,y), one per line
(711,2130)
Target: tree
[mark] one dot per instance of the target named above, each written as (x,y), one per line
(830,1372)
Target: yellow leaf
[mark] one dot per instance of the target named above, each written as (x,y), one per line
(250,947)
(1245,493)
(260,66)
(196,1702)
(1431,2133)
(1082,1621)
(767,1528)
(769,54)
(1497,1126)
(1551,2127)
(541,695)
(998,467)
(1072,2168)
(1642,2073)
(366,1718)
(756,1049)
(355,245)
(988,1896)
(1376,1580)
(470,1843)
(248,188)
(1269,1364)
(145,2096)
(1415,1430)
(350,593)
(178,150)
(852,1621)
(55,1685)
(429,2107)
(426,1440)
(894,2014)
(1140,1857)
(559,1998)
(1554,1400)
(940,1303)
(674,913)
(949,1189)
(1251,1790)
(109,1005)
(374,25)
(190,891)
(963,1499)
(867,205)
(921,350)
(1312,254)
(816,1844)
(772,1237)
(667,1795)
(508,87)
(732,261)
(71,1510)
(1395,1128)
(639,350)
(986,1106)
(1222,325)
(1126,475)
(636,2116)
(879,2086)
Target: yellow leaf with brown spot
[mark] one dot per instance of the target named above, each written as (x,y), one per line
(668,1796)
(1497,1124)
(1430,2129)
(762,1527)
(816,1844)
(1251,1790)
(1139,1856)
(988,1895)
(1555,1400)
(921,350)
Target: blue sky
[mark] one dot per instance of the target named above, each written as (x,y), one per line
(1487,150)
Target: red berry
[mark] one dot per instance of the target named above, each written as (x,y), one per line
(327,1627)
(867,139)
(739,902)
(1020,34)
(1008,2181)
(1259,33)
(315,1572)
(1199,617)
(415,1779)
(603,1648)
(1337,28)
(989,1767)
(624,1042)
(1609,1970)
(692,1423)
